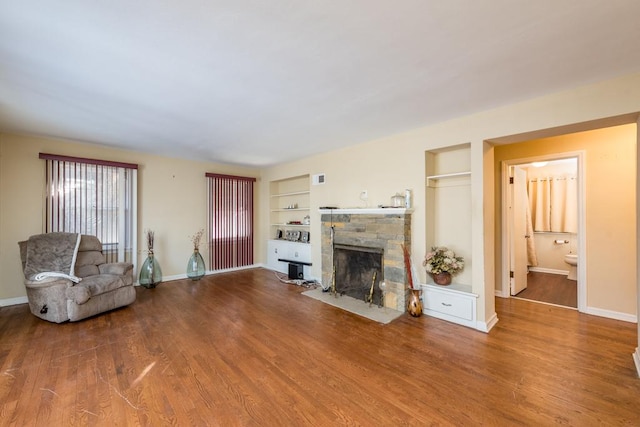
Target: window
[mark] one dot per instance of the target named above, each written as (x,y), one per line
(93,197)
(230,212)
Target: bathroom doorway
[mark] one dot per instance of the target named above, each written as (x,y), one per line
(543,221)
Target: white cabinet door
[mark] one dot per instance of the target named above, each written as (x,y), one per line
(276,249)
(299,252)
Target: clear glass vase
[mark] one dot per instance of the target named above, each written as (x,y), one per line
(150,273)
(195,266)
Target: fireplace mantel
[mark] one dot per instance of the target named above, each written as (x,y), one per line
(366,211)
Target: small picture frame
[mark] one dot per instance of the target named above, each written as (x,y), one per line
(279,234)
(304,237)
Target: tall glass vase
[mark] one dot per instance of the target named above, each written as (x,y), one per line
(195,266)
(150,273)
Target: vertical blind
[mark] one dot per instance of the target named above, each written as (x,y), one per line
(230,221)
(93,197)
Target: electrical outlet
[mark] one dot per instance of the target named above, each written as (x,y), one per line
(364,195)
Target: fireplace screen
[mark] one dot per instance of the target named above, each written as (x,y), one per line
(354,272)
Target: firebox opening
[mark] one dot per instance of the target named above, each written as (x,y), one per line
(354,272)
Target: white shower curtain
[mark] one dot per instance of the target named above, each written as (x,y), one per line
(554,204)
(532,255)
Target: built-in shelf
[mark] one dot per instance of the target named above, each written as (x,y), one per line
(288,241)
(294,193)
(289,209)
(446,176)
(453,287)
(366,211)
(289,218)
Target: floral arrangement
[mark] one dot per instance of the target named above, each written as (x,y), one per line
(150,237)
(196,239)
(442,259)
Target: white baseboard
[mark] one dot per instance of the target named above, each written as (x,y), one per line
(549,270)
(13,301)
(486,326)
(636,359)
(207,273)
(625,317)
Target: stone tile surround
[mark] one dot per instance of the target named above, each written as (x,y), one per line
(387,229)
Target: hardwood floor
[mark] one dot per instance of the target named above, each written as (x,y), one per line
(550,288)
(243,348)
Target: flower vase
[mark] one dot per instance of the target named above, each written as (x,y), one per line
(150,273)
(442,278)
(195,266)
(415,303)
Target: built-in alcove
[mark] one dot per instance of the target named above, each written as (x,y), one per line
(448,223)
(448,203)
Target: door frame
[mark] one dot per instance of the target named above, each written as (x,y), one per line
(582,231)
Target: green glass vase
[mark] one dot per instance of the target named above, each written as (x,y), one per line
(150,273)
(195,266)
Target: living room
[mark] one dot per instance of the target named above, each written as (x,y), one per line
(172,190)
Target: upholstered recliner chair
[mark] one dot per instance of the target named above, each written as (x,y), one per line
(67,278)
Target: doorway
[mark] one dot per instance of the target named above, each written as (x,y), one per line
(543,215)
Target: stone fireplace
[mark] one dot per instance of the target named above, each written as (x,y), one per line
(364,241)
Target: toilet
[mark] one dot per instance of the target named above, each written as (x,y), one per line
(572,260)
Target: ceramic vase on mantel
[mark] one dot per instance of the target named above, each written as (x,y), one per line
(415,303)
(195,266)
(442,278)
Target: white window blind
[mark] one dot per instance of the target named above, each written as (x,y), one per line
(93,197)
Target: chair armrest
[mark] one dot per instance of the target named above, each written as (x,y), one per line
(48,283)
(117,268)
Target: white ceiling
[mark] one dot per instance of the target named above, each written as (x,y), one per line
(260,82)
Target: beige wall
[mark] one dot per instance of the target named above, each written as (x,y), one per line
(172,197)
(392,164)
(610,210)
(382,167)
(551,255)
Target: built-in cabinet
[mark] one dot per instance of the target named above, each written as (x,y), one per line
(289,223)
(448,223)
(291,252)
(455,303)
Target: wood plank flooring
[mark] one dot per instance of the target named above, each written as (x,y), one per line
(243,348)
(551,288)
